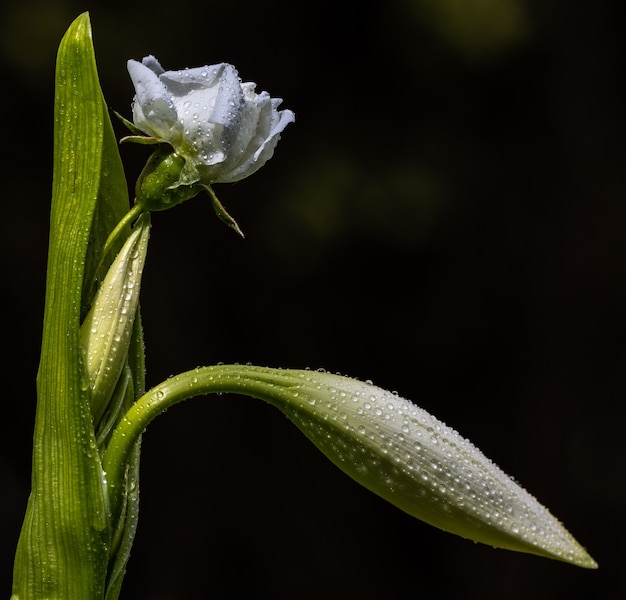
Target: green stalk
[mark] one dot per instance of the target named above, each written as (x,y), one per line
(120,231)
(264,384)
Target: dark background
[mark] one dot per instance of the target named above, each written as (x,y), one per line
(446,218)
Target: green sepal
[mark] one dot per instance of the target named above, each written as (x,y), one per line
(140,139)
(129,125)
(138,136)
(221,212)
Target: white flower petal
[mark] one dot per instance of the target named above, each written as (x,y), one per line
(199,76)
(153,110)
(265,151)
(153,64)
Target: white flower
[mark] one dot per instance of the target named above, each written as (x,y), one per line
(223,129)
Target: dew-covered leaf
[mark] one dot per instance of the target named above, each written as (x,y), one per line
(63,550)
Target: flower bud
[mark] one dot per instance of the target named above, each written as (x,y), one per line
(413,460)
(384,442)
(220,126)
(156,187)
(106,331)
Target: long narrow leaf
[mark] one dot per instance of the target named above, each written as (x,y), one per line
(62,551)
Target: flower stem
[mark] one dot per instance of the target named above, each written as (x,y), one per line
(127,219)
(271,385)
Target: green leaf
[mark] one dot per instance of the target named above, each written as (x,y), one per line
(112,204)
(63,547)
(384,442)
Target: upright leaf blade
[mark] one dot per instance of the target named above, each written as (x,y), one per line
(62,551)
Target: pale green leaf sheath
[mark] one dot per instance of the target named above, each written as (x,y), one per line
(384,442)
(106,331)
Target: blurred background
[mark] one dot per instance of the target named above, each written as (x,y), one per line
(446,218)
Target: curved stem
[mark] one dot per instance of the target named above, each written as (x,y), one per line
(271,385)
(127,219)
